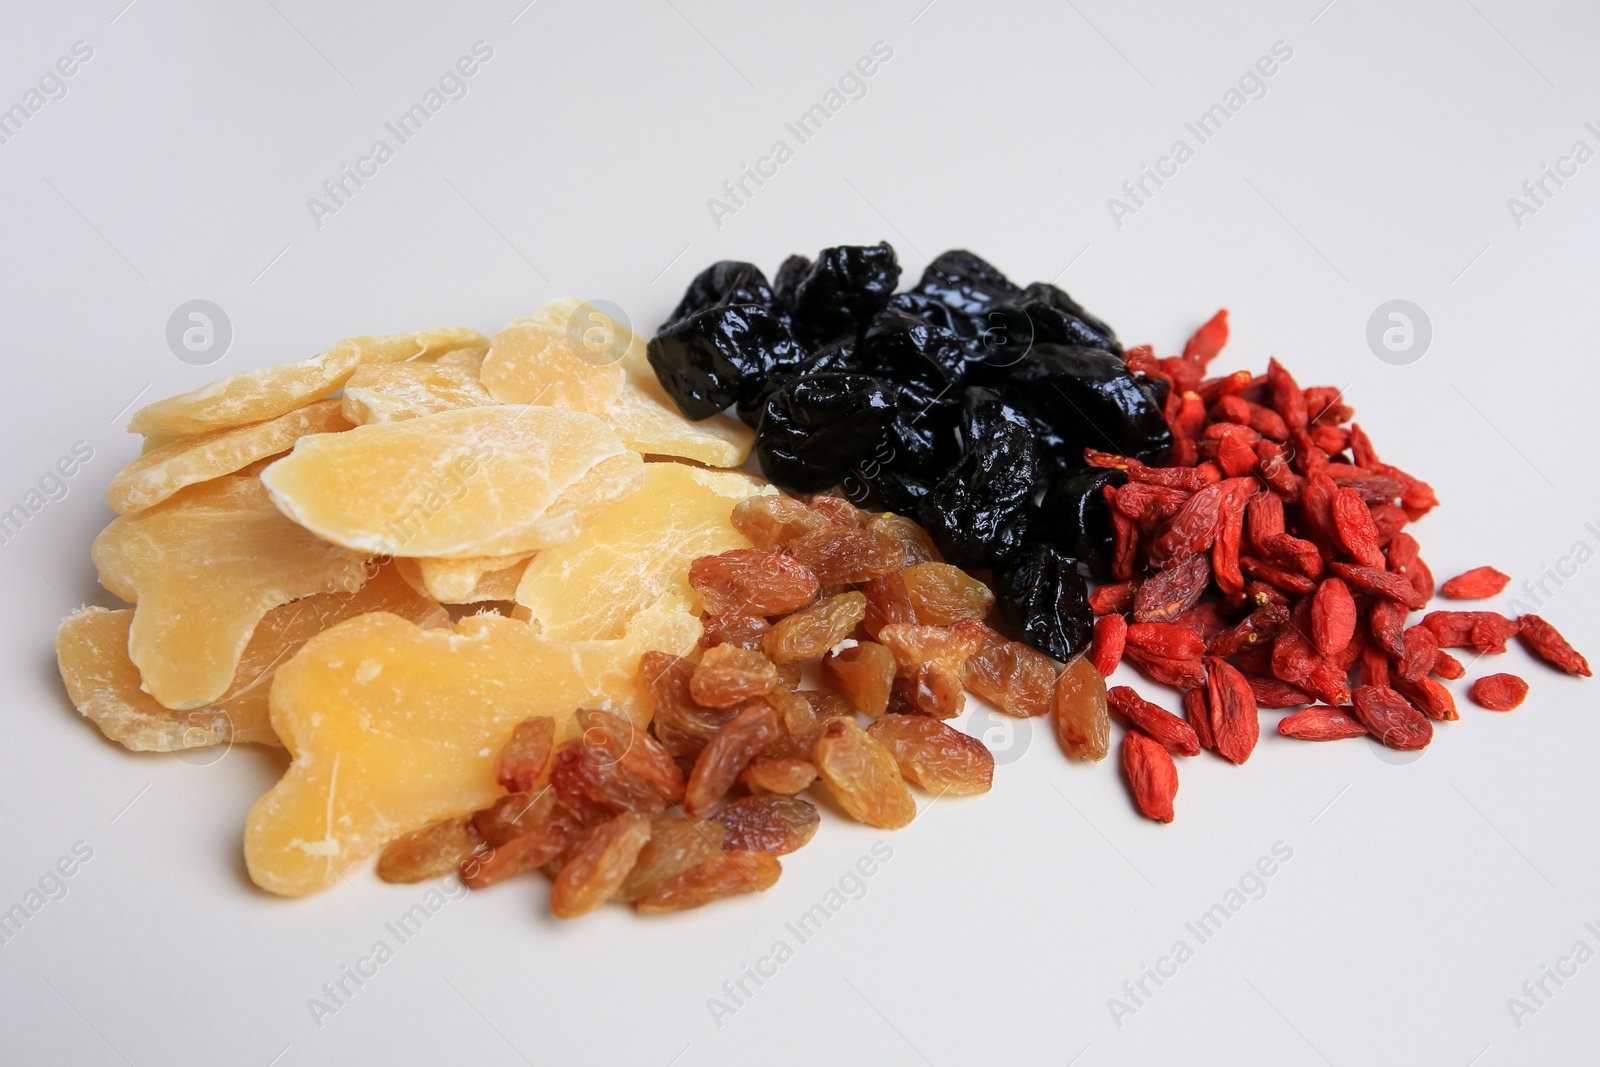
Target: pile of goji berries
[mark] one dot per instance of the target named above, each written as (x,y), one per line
(1265,564)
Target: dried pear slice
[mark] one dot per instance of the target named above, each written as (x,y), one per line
(392,727)
(203,567)
(267,392)
(389,392)
(649,422)
(465,581)
(159,473)
(488,481)
(562,355)
(92,654)
(634,552)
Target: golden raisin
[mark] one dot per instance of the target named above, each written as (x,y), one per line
(812,631)
(1015,678)
(774,824)
(770,522)
(778,774)
(431,852)
(887,603)
(1083,719)
(746,631)
(862,775)
(522,761)
(913,538)
(863,674)
(675,845)
(599,863)
(942,595)
(726,874)
(524,853)
(512,816)
(728,676)
(682,726)
(936,757)
(846,555)
(750,581)
(726,755)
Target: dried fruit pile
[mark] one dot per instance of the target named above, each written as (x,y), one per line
(655,656)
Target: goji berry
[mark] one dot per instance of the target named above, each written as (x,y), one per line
(1420,650)
(1333,616)
(1234,721)
(1203,346)
(1320,723)
(1357,532)
(1499,692)
(1105,649)
(1152,775)
(1275,692)
(1447,666)
(1479,583)
(1113,598)
(1543,641)
(1379,583)
(1167,729)
(1198,716)
(1433,699)
(1170,593)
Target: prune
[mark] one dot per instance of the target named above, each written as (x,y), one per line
(816,430)
(1075,517)
(912,353)
(1042,595)
(978,512)
(726,282)
(787,280)
(965,283)
(929,309)
(1059,319)
(715,357)
(837,357)
(1090,399)
(843,290)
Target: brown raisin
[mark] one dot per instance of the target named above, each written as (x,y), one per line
(863,674)
(682,726)
(728,676)
(431,852)
(812,631)
(1017,679)
(726,874)
(841,555)
(730,750)
(774,824)
(523,759)
(750,581)
(1083,721)
(862,775)
(942,595)
(609,738)
(745,631)
(935,756)
(675,845)
(598,865)
(770,522)
(520,855)
(512,816)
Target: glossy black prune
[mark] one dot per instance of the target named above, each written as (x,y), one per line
(1090,399)
(816,430)
(1075,518)
(787,281)
(912,353)
(965,283)
(1043,597)
(726,282)
(712,358)
(1069,321)
(978,512)
(840,293)
(982,411)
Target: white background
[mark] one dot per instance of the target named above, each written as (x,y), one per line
(1420,896)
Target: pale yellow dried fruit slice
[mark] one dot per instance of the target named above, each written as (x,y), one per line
(267,392)
(487,481)
(203,567)
(92,654)
(566,354)
(392,727)
(159,473)
(389,392)
(465,581)
(649,422)
(467,358)
(635,551)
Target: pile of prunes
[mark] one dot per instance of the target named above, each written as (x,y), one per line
(965,402)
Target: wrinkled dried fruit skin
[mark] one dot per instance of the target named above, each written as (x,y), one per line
(1083,722)
(1333,616)
(862,776)
(1390,719)
(1013,677)
(714,358)
(522,762)
(1276,693)
(770,522)
(1544,641)
(1180,673)
(1165,728)
(942,595)
(1428,696)
(675,845)
(812,631)
(816,430)
(1447,666)
(888,602)
(1152,775)
(1041,594)
(863,674)
(593,786)
(1479,583)
(1110,637)
(1198,716)
(1380,583)
(1171,640)
(1172,592)
(1485,631)
(682,726)
(609,738)
(841,555)
(728,676)
(512,816)
(730,750)
(598,864)
(777,825)
(935,756)
(745,631)
(978,513)
(431,852)
(1499,692)
(1320,723)
(521,854)
(726,874)
(727,282)
(778,774)
(1421,649)
(750,581)
(1234,719)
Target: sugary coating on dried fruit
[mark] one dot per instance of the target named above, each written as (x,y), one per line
(862,775)
(172,560)
(812,631)
(935,756)
(389,392)
(1083,720)
(778,774)
(863,674)
(466,581)
(598,865)
(1013,677)
(735,743)
(1152,775)
(92,654)
(1499,692)
(431,852)
(727,874)
(649,423)
(487,481)
(728,675)
(751,581)
(392,727)
(942,595)
(161,472)
(675,845)
(267,392)
(777,825)
(634,551)
(569,353)
(1042,595)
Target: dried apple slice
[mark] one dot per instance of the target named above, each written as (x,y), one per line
(649,422)
(465,581)
(389,392)
(92,654)
(267,392)
(159,473)
(203,567)
(487,481)
(392,727)
(635,551)
(565,354)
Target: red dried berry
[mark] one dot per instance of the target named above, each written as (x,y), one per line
(1333,617)
(1152,775)
(1167,729)
(1275,692)
(1479,583)
(1421,649)
(1447,666)
(1391,719)
(1234,720)
(1320,723)
(1499,692)
(1543,641)
(1173,591)
(1110,636)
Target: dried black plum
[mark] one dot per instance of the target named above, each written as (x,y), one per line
(1090,399)
(942,315)
(1048,324)
(913,353)
(1057,300)
(1043,597)
(714,357)
(816,430)
(978,512)
(787,281)
(878,487)
(965,283)
(840,293)
(982,412)
(1075,518)
(726,282)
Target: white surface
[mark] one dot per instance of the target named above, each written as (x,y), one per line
(1419,897)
